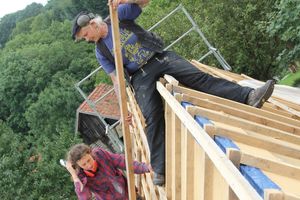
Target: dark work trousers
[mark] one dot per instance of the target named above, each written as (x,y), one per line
(150,102)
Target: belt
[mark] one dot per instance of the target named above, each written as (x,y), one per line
(140,68)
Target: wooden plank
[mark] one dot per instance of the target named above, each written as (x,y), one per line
(171,79)
(285,107)
(201,166)
(212,70)
(151,187)
(139,124)
(162,193)
(258,140)
(245,124)
(169,140)
(271,165)
(145,187)
(187,167)
(242,114)
(272,194)
(236,105)
(122,100)
(290,197)
(288,103)
(277,110)
(208,181)
(232,176)
(235,156)
(184,163)
(247,77)
(176,157)
(200,175)
(138,176)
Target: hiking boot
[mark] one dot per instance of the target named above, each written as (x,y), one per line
(158,179)
(257,97)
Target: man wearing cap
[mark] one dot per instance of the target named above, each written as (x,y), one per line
(145,62)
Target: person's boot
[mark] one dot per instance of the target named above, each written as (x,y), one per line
(257,97)
(158,179)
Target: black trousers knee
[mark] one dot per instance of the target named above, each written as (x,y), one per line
(150,102)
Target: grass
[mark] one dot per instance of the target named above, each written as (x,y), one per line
(291,79)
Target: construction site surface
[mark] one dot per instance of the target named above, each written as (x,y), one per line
(221,149)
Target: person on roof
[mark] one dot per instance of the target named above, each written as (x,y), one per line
(145,62)
(98,171)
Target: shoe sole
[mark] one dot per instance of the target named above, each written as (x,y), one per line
(267,94)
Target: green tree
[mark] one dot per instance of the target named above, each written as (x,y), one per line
(236,28)
(285,26)
(29,162)
(8,22)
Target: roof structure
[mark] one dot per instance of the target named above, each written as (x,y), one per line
(108,107)
(220,149)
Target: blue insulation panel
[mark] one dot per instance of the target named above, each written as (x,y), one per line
(202,120)
(224,143)
(185,104)
(255,176)
(258,179)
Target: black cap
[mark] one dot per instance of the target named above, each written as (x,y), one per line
(81,20)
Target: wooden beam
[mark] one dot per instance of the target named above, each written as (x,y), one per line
(138,177)
(236,105)
(272,194)
(285,107)
(176,157)
(171,80)
(145,187)
(122,99)
(232,176)
(257,140)
(200,171)
(187,167)
(205,103)
(139,124)
(235,156)
(212,70)
(245,124)
(151,187)
(290,197)
(162,193)
(271,165)
(184,163)
(168,140)
(270,107)
(288,103)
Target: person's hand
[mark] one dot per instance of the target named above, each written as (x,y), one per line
(73,173)
(70,168)
(150,168)
(128,119)
(116,3)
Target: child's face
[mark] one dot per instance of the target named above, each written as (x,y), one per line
(86,162)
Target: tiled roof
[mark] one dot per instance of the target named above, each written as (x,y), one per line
(108,107)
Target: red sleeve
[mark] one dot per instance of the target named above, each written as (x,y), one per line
(82,193)
(118,161)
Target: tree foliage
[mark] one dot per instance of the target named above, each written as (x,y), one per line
(29,165)
(285,25)
(8,22)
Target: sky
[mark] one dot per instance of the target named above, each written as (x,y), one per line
(11,6)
